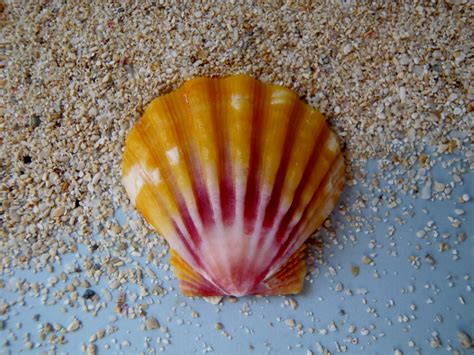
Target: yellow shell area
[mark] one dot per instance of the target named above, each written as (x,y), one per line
(205,113)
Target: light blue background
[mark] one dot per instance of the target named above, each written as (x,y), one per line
(265,329)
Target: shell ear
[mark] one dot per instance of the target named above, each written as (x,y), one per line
(290,278)
(190,282)
(287,281)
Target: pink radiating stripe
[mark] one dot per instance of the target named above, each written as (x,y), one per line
(190,249)
(252,198)
(201,195)
(202,198)
(310,166)
(252,195)
(227,191)
(294,241)
(168,178)
(292,237)
(188,221)
(274,203)
(224,161)
(323,183)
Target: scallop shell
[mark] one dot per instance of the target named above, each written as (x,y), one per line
(236,175)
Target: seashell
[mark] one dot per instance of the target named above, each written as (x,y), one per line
(236,175)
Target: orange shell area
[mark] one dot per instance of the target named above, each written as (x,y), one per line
(236,175)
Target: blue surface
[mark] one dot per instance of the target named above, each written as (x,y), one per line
(435,290)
